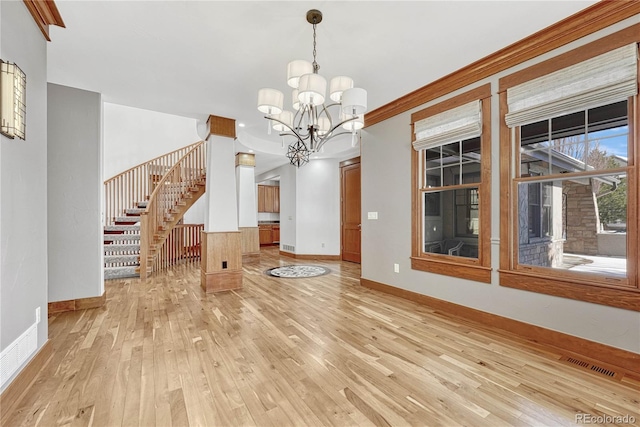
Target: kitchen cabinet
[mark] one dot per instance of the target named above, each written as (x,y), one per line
(269,234)
(268,198)
(266,234)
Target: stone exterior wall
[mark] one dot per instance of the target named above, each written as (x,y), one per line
(545,253)
(582,218)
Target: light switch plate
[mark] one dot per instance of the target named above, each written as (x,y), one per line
(372,215)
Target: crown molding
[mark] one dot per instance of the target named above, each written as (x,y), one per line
(587,21)
(45,13)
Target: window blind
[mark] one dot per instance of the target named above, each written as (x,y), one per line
(604,79)
(450,126)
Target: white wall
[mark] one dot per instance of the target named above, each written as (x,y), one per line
(74,187)
(309,206)
(246,194)
(220,197)
(386,188)
(23,185)
(133,136)
(318,208)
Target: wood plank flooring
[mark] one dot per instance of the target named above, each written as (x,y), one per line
(297,352)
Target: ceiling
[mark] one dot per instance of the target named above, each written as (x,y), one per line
(195,58)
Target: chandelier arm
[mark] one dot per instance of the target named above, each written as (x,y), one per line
(294,133)
(330,137)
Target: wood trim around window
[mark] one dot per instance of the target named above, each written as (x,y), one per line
(621,293)
(587,21)
(478,270)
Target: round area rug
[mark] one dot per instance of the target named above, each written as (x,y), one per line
(297,271)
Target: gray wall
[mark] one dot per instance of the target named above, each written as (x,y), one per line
(386,189)
(74,193)
(23,185)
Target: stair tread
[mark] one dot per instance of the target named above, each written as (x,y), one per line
(120,272)
(121,248)
(134,211)
(120,258)
(122,228)
(132,218)
(121,237)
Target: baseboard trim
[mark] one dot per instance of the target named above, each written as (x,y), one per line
(311,257)
(624,359)
(21,383)
(77,304)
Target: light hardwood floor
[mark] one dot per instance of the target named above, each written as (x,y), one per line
(303,352)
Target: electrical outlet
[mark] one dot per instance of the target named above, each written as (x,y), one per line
(37,314)
(396,268)
(323,245)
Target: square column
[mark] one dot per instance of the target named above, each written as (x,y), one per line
(221,250)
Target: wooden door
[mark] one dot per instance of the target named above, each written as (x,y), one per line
(350,197)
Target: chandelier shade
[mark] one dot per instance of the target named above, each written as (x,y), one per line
(354,101)
(356,124)
(270,101)
(311,125)
(296,69)
(312,89)
(338,85)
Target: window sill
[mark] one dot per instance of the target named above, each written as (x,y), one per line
(628,299)
(449,267)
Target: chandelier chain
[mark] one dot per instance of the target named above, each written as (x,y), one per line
(316,67)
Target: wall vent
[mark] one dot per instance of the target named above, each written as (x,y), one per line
(17,353)
(593,367)
(288,248)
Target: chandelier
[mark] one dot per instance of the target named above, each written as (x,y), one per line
(312,124)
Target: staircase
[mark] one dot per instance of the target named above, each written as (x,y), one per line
(122,244)
(143,206)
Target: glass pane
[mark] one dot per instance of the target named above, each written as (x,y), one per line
(432,158)
(451,174)
(608,136)
(432,178)
(452,222)
(574,224)
(595,139)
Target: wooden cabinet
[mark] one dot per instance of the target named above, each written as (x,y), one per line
(266,234)
(269,234)
(268,198)
(276,199)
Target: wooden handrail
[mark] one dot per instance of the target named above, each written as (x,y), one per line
(134,185)
(167,204)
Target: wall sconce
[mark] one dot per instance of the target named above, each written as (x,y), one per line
(13,100)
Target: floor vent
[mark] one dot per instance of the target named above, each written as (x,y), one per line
(288,248)
(593,367)
(17,353)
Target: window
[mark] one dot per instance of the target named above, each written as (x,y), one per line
(451,165)
(572,224)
